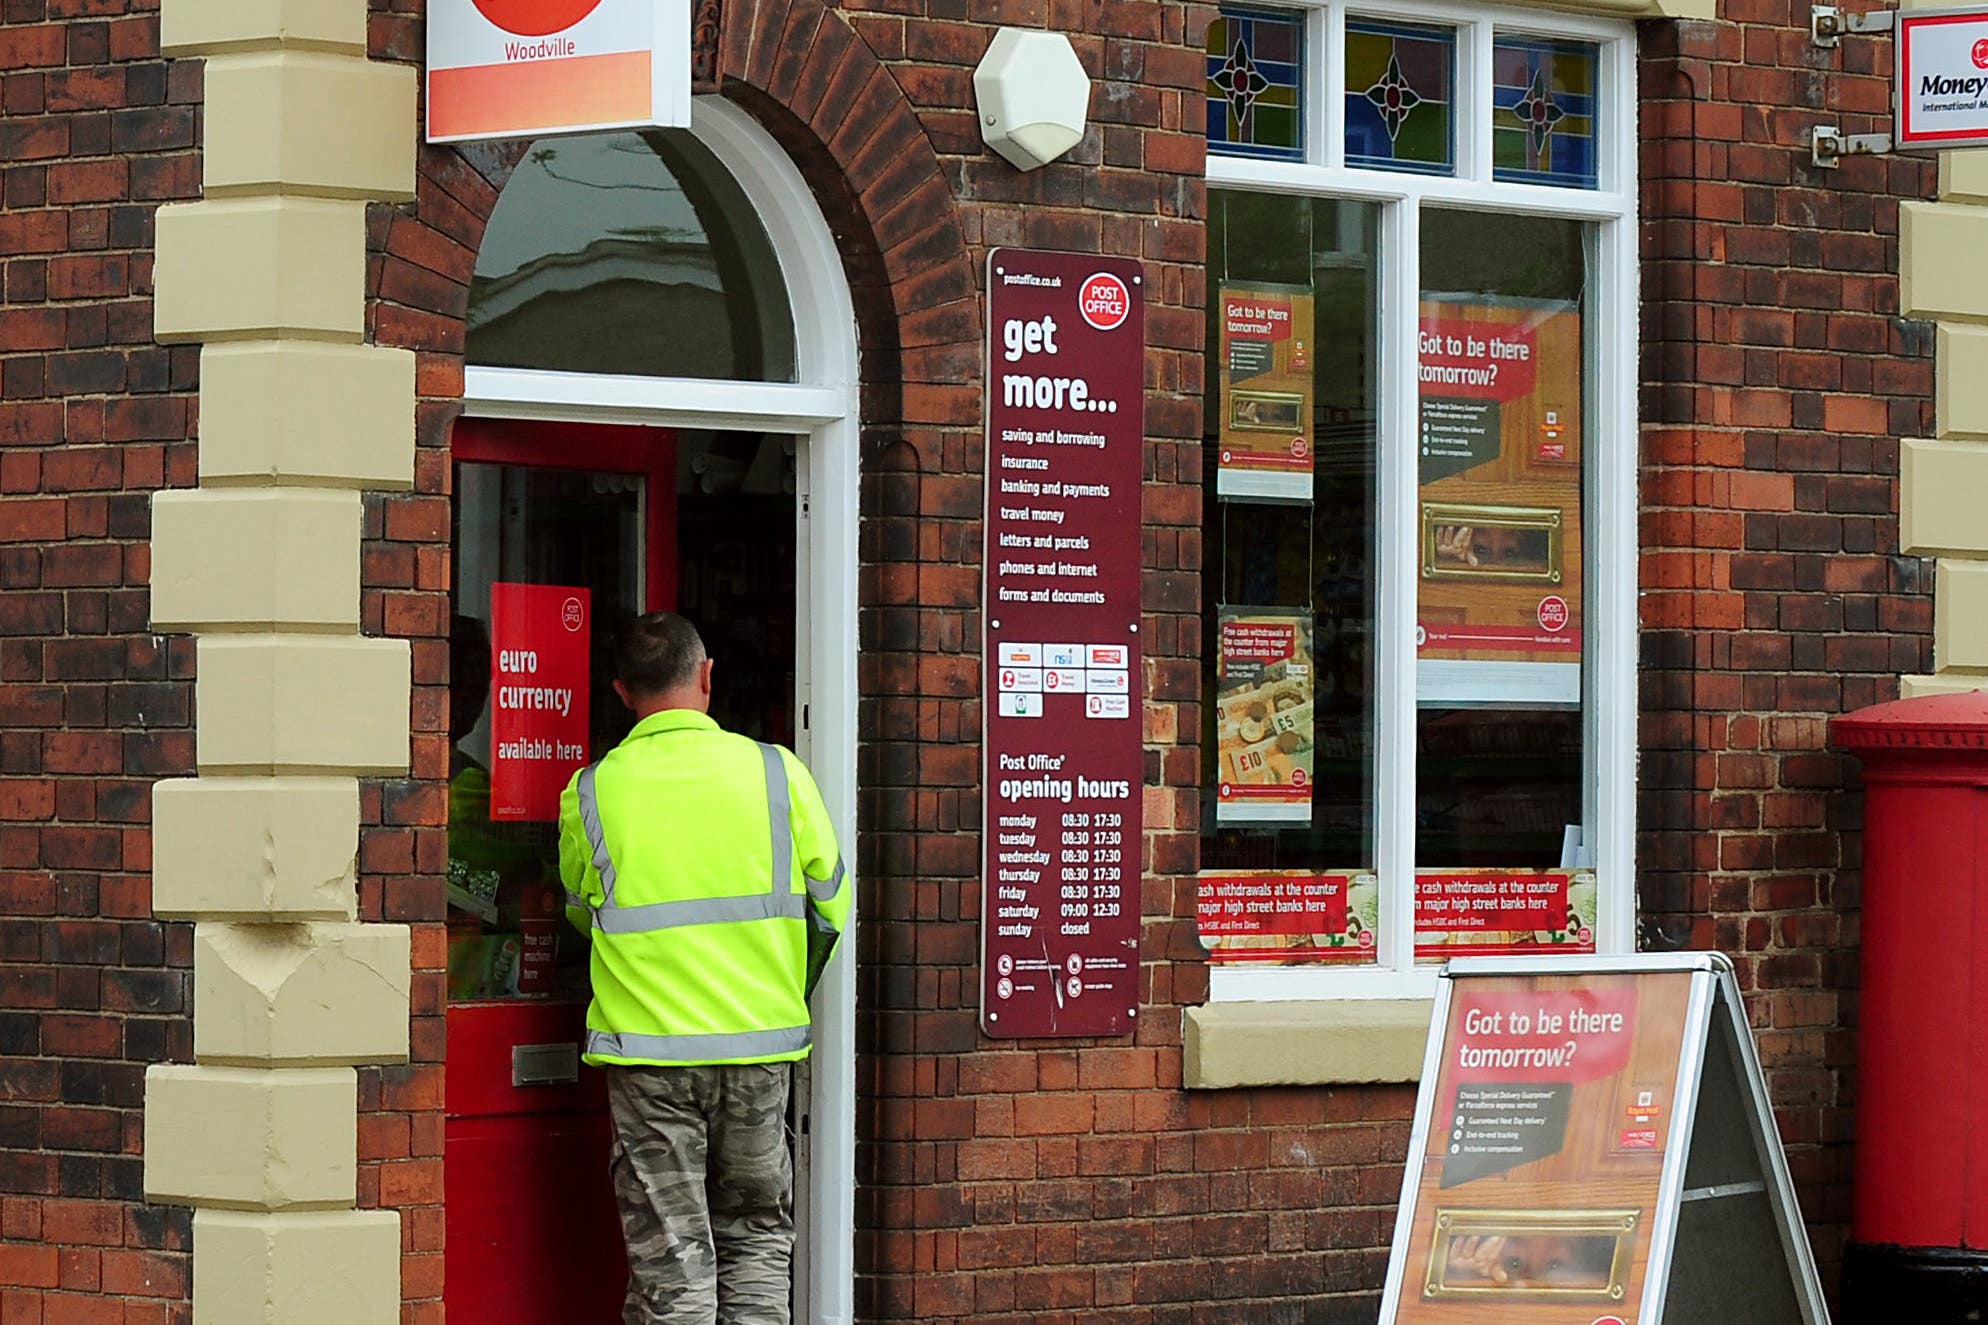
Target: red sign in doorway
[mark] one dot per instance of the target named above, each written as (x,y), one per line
(538,696)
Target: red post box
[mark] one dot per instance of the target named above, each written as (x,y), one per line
(1919,1225)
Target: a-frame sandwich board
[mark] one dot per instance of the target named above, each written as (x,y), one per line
(1593,1145)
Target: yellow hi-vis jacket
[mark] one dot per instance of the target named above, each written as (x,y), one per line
(705,869)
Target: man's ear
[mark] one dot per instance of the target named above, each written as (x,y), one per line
(704,676)
(621,693)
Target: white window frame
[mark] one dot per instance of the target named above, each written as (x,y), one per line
(823,407)
(1609,667)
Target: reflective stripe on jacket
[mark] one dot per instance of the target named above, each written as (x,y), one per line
(704,866)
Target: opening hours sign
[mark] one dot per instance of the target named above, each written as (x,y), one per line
(1065,767)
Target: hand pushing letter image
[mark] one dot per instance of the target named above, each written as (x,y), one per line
(1530,1261)
(1493,547)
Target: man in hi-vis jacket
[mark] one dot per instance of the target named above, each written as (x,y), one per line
(705,868)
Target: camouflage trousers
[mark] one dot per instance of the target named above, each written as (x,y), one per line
(704,1176)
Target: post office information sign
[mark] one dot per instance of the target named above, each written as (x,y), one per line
(1942,78)
(1065,721)
(528,68)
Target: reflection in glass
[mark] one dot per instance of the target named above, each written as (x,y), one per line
(535,526)
(1500,619)
(632,253)
(1296,565)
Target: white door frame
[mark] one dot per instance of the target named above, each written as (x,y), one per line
(822,408)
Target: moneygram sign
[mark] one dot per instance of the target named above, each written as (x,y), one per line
(531,68)
(1942,78)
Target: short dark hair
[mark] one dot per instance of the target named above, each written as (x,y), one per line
(656,653)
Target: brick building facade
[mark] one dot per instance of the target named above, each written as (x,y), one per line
(1782,371)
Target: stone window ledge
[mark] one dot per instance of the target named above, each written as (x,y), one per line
(1304,1043)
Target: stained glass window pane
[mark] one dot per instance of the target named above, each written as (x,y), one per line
(1400,87)
(1256,84)
(1543,111)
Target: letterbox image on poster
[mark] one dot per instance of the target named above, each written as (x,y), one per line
(1535,1199)
(1488,912)
(1500,534)
(1288,917)
(1266,363)
(1264,687)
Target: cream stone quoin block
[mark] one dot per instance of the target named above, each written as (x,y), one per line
(1964,175)
(1960,616)
(334,1267)
(206,27)
(1961,369)
(250,268)
(284,559)
(299,121)
(296,995)
(302,703)
(1954,683)
(308,414)
(1941,274)
(282,849)
(1943,491)
(251,1138)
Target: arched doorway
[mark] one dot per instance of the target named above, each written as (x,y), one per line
(659,410)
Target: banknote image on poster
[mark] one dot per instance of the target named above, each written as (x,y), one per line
(539,681)
(1479,912)
(1264,687)
(1500,534)
(1527,1207)
(1288,917)
(1266,364)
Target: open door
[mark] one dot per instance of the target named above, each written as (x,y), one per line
(562,532)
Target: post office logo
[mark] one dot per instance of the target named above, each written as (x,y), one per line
(536,18)
(1105,302)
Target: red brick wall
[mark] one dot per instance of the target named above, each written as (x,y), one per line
(1778,378)
(95,131)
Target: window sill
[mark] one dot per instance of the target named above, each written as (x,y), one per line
(1313,1042)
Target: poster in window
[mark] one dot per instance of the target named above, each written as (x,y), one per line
(1288,917)
(1264,738)
(539,644)
(1265,426)
(1484,912)
(1499,535)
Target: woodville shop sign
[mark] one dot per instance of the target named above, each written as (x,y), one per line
(529,68)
